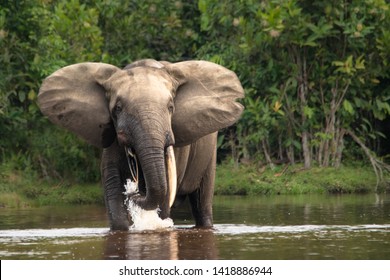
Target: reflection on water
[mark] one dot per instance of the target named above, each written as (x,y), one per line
(225,241)
(173,244)
(289,227)
(176,244)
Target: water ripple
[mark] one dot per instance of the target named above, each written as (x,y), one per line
(226,229)
(54,233)
(246,229)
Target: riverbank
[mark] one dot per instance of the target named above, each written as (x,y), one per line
(288,179)
(18,189)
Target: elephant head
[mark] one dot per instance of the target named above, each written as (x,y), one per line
(147,107)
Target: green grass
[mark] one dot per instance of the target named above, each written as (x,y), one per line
(19,189)
(24,189)
(43,193)
(249,180)
(62,193)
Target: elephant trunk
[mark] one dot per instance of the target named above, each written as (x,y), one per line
(153,165)
(159,170)
(152,142)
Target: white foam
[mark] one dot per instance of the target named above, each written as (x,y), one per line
(52,233)
(143,219)
(147,219)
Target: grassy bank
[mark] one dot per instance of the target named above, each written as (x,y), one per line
(20,190)
(23,189)
(250,180)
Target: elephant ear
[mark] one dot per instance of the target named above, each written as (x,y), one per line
(74,97)
(205,101)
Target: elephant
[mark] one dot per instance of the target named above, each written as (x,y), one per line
(157,118)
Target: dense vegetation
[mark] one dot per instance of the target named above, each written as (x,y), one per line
(316,75)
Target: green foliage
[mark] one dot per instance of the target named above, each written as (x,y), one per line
(68,33)
(312,70)
(159,29)
(38,37)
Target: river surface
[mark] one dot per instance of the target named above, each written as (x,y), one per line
(275,227)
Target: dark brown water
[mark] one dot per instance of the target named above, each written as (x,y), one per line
(278,227)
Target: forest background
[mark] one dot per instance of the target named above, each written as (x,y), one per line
(315,74)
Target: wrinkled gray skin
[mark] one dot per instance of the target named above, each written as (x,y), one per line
(147,107)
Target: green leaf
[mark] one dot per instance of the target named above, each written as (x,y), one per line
(338,63)
(31,95)
(202,5)
(309,112)
(359,64)
(220,140)
(348,107)
(205,22)
(310,43)
(22,96)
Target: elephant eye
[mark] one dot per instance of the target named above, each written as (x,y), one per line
(171,108)
(118,108)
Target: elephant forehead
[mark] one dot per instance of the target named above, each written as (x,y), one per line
(146,84)
(148,76)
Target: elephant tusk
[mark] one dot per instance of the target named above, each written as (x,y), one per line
(172,175)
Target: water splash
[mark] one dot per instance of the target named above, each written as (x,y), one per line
(143,219)
(147,219)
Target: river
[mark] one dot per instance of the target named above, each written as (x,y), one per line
(265,227)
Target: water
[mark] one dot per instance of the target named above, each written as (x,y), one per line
(147,219)
(142,219)
(279,227)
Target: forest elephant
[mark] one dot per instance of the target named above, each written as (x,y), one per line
(156,119)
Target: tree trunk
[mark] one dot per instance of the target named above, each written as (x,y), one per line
(339,148)
(306,150)
(302,94)
(280,148)
(290,148)
(234,148)
(290,154)
(378,165)
(333,133)
(266,154)
(330,129)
